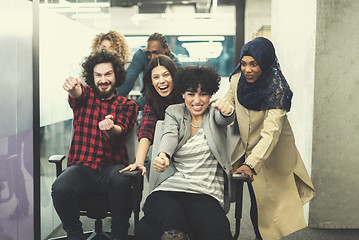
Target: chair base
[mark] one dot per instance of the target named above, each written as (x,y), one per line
(94,236)
(97,235)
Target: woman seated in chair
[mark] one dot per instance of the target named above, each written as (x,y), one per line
(158,91)
(189,184)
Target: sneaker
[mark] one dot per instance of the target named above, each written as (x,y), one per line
(174,235)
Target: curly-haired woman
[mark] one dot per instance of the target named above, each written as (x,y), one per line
(114,40)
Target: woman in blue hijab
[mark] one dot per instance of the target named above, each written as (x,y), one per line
(270,90)
(266,150)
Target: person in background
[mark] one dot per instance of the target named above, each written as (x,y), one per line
(101,120)
(115,41)
(266,150)
(156,45)
(158,82)
(189,184)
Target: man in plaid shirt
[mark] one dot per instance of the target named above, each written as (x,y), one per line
(98,149)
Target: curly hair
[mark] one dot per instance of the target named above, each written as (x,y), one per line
(159,37)
(191,77)
(118,43)
(155,100)
(103,55)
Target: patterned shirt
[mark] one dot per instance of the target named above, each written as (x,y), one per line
(148,125)
(90,146)
(197,170)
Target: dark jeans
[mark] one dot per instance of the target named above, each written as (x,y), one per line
(78,182)
(254,212)
(198,215)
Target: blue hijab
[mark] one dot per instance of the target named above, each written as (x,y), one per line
(270,90)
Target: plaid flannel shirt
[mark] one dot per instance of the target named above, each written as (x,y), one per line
(90,146)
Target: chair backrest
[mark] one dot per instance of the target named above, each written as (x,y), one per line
(156,139)
(131,143)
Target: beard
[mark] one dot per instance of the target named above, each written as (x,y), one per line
(104,94)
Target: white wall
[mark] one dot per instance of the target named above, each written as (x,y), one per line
(293,37)
(257,14)
(63,45)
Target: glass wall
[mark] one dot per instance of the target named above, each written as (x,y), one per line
(16,121)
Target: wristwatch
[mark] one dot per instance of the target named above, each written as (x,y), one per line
(250,166)
(167,155)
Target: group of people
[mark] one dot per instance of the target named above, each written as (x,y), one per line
(190,180)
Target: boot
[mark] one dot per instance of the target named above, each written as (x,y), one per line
(174,235)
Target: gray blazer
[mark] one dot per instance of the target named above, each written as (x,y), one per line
(176,131)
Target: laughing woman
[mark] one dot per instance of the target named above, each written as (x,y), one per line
(189,184)
(266,150)
(158,90)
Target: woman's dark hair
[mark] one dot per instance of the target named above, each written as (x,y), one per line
(155,100)
(104,56)
(191,77)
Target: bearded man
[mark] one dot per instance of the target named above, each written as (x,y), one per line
(98,149)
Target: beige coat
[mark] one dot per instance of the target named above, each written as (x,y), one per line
(282,184)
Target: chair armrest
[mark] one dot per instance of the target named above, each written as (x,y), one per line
(240,177)
(137,188)
(133,173)
(57,159)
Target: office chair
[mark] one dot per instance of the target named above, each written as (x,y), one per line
(96,207)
